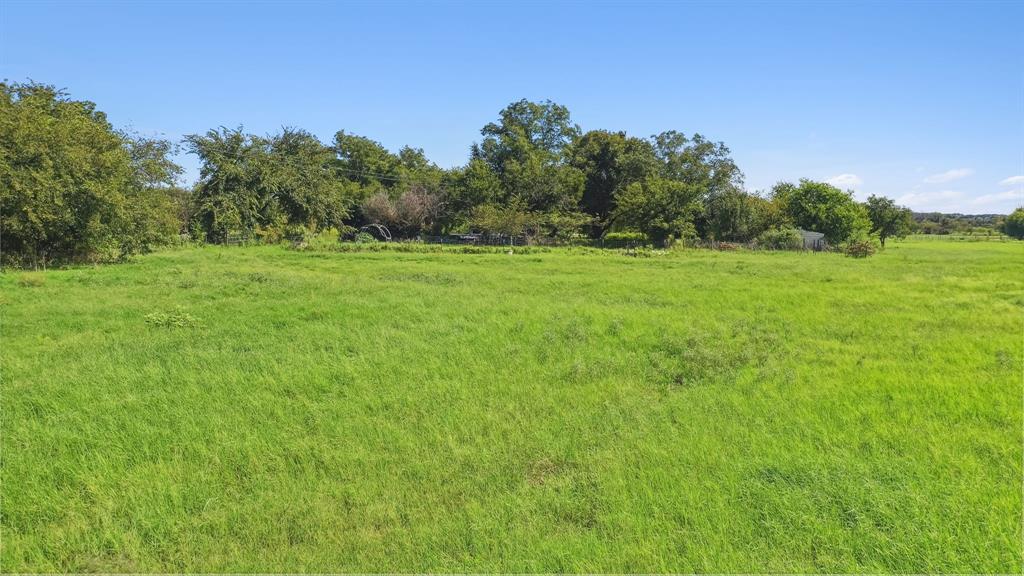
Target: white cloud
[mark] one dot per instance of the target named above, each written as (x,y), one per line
(1012,180)
(930,196)
(940,201)
(1008,196)
(845,181)
(948,176)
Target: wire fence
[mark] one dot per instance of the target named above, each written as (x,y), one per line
(479,239)
(525,240)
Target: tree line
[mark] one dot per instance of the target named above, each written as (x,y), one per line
(74,188)
(941,224)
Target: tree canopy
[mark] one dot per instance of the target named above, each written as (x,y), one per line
(610,163)
(1013,226)
(821,207)
(74,188)
(887,219)
(71,186)
(526,150)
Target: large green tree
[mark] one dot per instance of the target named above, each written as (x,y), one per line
(526,151)
(365,161)
(152,162)
(821,207)
(661,208)
(234,194)
(467,187)
(888,220)
(416,172)
(304,181)
(157,206)
(609,162)
(737,216)
(696,161)
(71,187)
(1013,226)
(255,186)
(525,127)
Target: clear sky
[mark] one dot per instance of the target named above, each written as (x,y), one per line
(923,102)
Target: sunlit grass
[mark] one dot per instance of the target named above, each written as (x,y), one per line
(259,409)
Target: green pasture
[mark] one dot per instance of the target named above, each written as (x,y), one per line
(262,409)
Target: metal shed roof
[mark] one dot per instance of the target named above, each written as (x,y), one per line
(809,235)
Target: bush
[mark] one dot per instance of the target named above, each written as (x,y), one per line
(626,236)
(298,233)
(824,208)
(323,240)
(781,239)
(1013,226)
(861,247)
(73,188)
(177,318)
(270,234)
(623,239)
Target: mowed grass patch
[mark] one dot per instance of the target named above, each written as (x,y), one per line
(259,409)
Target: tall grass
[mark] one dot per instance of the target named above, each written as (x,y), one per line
(262,409)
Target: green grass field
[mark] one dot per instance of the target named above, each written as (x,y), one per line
(261,409)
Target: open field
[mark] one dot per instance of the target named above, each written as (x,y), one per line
(260,409)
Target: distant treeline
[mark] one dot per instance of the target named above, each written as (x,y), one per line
(76,189)
(938,223)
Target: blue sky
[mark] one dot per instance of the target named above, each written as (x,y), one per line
(923,102)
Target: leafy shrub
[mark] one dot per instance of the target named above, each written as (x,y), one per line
(74,188)
(511,220)
(626,236)
(196,232)
(322,240)
(824,208)
(269,234)
(860,247)
(182,241)
(781,239)
(623,239)
(297,233)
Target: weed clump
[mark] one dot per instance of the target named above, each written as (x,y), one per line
(860,247)
(177,318)
(703,359)
(436,278)
(31,280)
